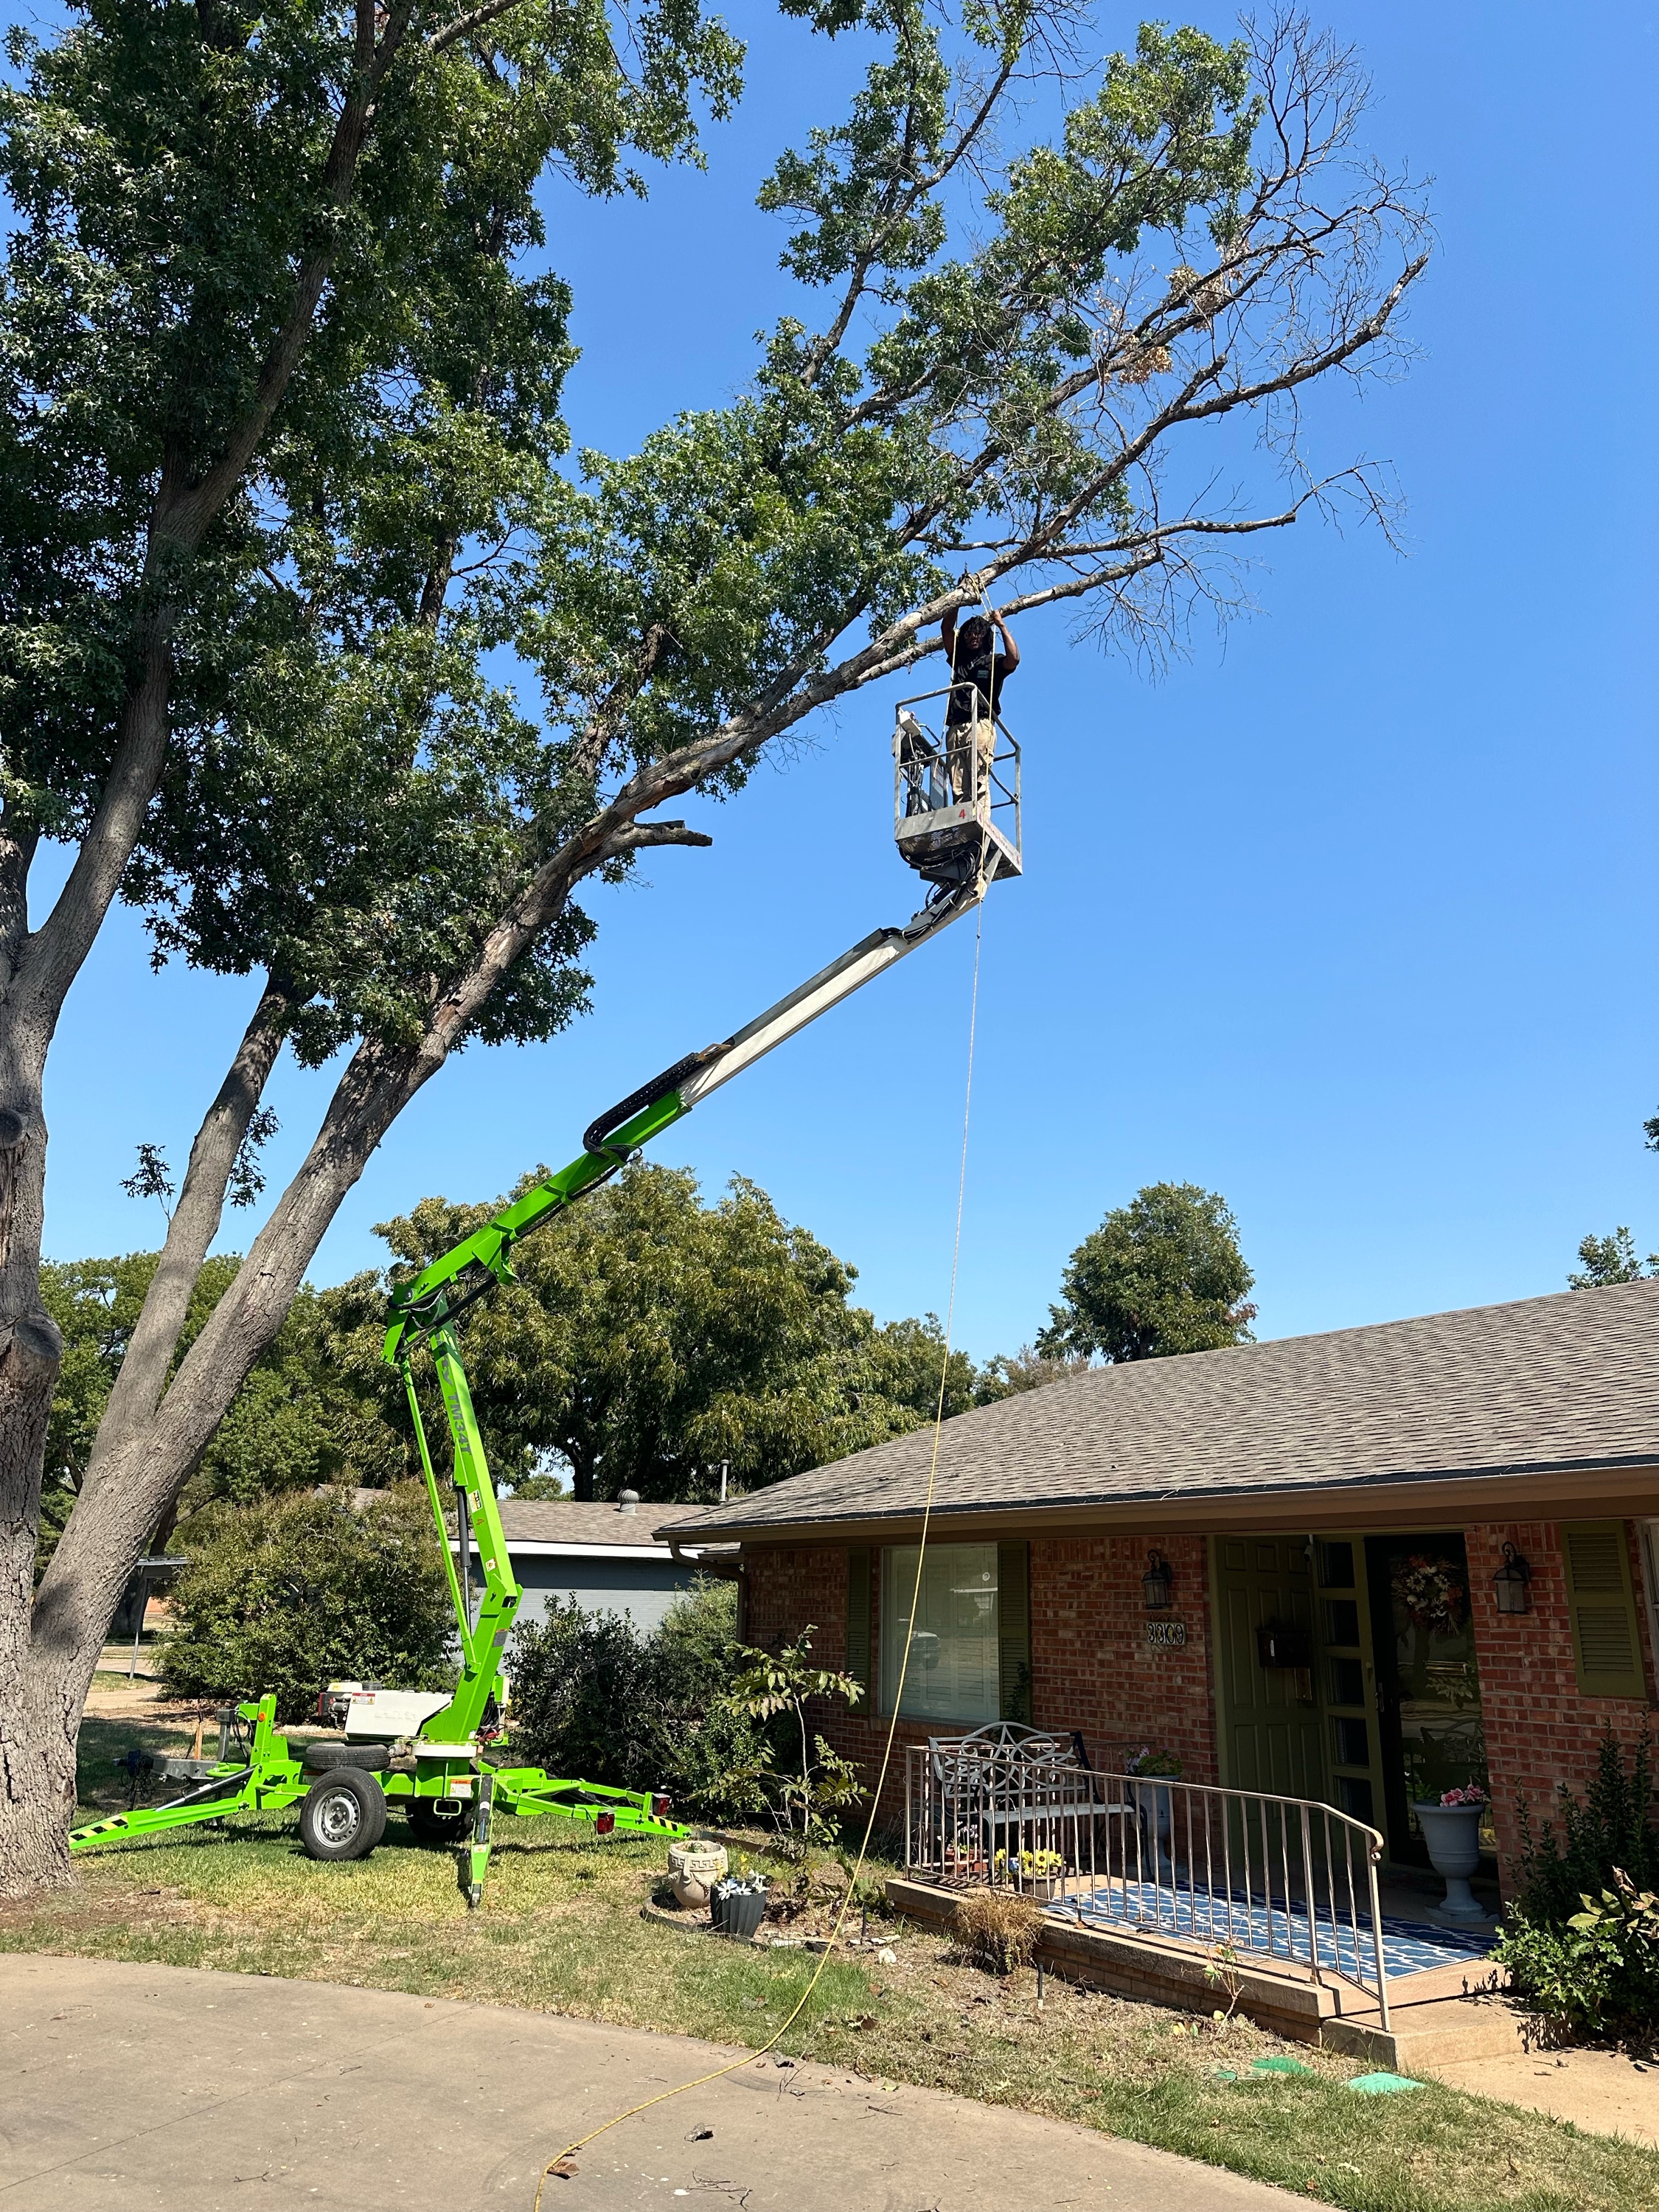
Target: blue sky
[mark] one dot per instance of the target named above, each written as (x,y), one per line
(1349,916)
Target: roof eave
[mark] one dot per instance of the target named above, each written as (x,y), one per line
(1457,1495)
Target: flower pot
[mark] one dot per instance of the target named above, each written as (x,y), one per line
(1452,1833)
(739,1914)
(1154,1804)
(693,1870)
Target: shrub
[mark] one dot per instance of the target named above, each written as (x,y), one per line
(287,1593)
(593,1698)
(1582,1940)
(997,1929)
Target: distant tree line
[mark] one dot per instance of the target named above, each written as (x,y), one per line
(650,1337)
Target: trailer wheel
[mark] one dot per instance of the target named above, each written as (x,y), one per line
(438,1822)
(344,1816)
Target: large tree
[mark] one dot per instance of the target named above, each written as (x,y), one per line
(259,259)
(1034,416)
(1161,1275)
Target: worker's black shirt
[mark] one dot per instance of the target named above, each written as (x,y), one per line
(975,681)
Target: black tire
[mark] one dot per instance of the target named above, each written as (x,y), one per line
(325,1757)
(450,1824)
(344,1816)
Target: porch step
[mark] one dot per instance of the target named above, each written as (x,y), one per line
(1449,2013)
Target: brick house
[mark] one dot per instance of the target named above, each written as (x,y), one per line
(1355,1567)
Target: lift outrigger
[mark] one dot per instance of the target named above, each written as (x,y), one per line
(440,1761)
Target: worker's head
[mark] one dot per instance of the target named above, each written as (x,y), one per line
(975,636)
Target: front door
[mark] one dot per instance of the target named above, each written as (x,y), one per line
(1428,1690)
(1270,1725)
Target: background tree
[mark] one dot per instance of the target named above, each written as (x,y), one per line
(1028,1369)
(1613,1259)
(288,1593)
(1162,1274)
(649,1336)
(1198,243)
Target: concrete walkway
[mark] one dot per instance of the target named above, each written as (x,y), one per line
(128,2088)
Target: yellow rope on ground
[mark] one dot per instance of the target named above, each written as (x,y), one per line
(563,2165)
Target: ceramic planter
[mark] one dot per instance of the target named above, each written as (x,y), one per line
(693,1870)
(1452,1833)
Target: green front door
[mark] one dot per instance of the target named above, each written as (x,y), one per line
(1270,1720)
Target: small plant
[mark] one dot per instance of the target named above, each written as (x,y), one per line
(1470,1793)
(805,1799)
(1223,1973)
(1151,1761)
(998,1929)
(1031,1866)
(1582,1940)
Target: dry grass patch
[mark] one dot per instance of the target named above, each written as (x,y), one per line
(997,1929)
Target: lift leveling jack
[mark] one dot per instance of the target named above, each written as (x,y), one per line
(441,1761)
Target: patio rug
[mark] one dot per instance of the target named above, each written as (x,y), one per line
(1251,1925)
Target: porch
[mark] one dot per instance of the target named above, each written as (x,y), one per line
(1200,1897)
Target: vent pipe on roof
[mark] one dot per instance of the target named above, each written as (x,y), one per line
(628,1501)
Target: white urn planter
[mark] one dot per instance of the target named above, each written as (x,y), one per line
(1452,1833)
(693,1870)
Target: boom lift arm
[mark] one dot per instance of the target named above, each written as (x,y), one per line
(423,1311)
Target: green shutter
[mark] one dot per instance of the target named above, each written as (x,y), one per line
(858,1614)
(1606,1643)
(1014,1631)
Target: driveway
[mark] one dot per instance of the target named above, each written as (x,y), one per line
(128,2088)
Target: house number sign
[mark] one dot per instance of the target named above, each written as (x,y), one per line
(1166,1635)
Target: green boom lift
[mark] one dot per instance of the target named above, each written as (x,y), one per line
(442,1761)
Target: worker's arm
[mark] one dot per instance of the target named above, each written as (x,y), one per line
(947,636)
(1010,650)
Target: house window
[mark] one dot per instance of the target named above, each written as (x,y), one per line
(954,1652)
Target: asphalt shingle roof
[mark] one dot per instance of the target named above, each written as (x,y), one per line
(1568,1382)
(566,1521)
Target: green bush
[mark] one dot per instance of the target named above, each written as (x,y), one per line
(594,1700)
(288,1593)
(1582,1940)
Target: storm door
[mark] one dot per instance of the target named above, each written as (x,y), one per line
(1428,1690)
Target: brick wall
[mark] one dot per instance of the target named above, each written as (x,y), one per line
(1539,1730)
(1091,1665)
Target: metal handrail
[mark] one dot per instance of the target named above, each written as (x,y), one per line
(1249,1870)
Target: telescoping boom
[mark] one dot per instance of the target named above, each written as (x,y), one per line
(440,1759)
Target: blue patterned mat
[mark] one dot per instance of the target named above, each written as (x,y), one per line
(1409,1947)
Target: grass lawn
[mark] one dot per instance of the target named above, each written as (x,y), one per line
(561,1930)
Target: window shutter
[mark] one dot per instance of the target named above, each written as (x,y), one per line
(1605,1648)
(858,1614)
(1014,1631)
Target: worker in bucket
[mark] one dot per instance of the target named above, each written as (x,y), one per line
(978,671)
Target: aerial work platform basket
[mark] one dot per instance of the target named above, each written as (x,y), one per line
(956,793)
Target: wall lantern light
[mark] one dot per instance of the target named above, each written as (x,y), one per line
(1157,1582)
(1513,1582)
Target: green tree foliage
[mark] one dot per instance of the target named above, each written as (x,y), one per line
(1028,1369)
(288,1593)
(591,1696)
(649,1336)
(1604,1259)
(1162,1274)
